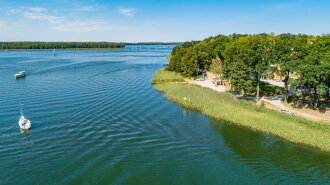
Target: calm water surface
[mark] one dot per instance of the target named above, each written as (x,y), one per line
(96,119)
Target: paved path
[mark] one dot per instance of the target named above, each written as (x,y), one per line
(274,82)
(207,83)
(274,100)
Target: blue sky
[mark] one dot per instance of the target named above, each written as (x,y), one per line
(157,20)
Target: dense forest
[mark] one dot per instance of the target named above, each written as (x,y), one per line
(303,61)
(154,43)
(59,45)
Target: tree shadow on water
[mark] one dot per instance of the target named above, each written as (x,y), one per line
(273,158)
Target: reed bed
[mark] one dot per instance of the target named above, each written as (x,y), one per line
(230,109)
(163,76)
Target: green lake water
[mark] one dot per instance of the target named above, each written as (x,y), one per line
(96,119)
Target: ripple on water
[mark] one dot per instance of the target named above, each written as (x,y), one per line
(97,119)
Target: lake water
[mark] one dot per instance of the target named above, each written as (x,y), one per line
(96,119)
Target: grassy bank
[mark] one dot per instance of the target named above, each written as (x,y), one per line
(226,107)
(163,76)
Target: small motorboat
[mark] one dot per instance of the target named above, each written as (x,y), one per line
(23,122)
(21,74)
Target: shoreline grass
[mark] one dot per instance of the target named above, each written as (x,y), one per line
(228,108)
(164,76)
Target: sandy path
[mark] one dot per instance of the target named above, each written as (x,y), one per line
(274,82)
(207,83)
(274,100)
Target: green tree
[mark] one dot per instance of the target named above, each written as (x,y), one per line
(216,66)
(257,53)
(283,54)
(313,69)
(236,68)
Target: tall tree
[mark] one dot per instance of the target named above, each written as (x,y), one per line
(300,58)
(257,52)
(236,68)
(313,68)
(283,53)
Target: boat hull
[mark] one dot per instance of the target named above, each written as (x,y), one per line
(24,123)
(20,76)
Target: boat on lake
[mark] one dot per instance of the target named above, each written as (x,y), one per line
(23,122)
(54,52)
(20,74)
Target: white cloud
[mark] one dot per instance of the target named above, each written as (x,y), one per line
(50,18)
(14,11)
(87,27)
(87,8)
(62,24)
(129,12)
(37,9)
(22,9)
(2,24)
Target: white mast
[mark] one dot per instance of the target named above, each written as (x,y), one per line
(21,109)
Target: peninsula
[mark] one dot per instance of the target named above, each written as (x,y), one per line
(241,63)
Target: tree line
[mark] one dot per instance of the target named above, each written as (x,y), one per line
(303,61)
(59,45)
(153,43)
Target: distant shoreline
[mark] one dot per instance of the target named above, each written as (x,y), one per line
(56,49)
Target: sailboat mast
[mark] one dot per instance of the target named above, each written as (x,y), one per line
(21,110)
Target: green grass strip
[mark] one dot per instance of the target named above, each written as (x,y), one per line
(226,107)
(162,76)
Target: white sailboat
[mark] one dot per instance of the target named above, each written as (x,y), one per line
(54,52)
(23,122)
